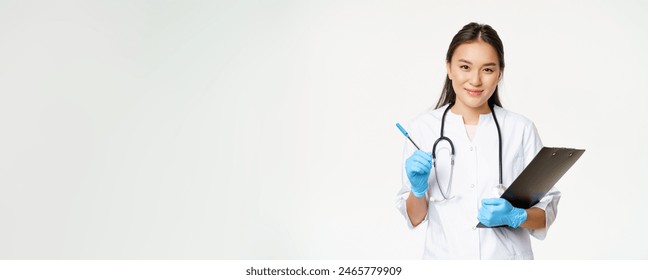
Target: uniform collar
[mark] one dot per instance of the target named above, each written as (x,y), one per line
(483,118)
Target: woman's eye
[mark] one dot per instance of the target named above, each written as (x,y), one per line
(489,70)
(465,67)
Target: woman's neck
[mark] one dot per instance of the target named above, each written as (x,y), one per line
(470,115)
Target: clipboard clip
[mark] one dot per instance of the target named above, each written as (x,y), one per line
(570,153)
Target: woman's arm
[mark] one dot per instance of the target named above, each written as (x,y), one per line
(417,208)
(536,219)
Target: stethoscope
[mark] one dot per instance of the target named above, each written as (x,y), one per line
(447,194)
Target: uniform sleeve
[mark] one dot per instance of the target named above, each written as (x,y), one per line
(549,203)
(403,194)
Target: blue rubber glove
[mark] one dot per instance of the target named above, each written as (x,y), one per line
(498,211)
(418,168)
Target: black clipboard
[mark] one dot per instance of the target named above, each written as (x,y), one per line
(546,168)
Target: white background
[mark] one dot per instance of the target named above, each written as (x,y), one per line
(265,129)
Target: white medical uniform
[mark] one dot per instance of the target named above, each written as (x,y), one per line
(451,232)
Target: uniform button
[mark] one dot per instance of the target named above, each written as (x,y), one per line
(471,148)
(472,185)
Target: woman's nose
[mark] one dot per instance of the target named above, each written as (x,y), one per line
(475,79)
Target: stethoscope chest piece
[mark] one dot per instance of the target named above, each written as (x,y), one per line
(500,189)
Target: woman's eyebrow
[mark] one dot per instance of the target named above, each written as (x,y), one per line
(465,61)
(468,62)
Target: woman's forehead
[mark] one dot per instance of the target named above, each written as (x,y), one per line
(476,52)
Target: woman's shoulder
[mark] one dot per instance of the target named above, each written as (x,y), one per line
(426,121)
(429,115)
(513,117)
(516,124)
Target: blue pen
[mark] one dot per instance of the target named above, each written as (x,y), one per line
(406,135)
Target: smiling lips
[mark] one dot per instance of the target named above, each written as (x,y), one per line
(474,92)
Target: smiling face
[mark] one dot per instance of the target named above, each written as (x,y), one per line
(475,72)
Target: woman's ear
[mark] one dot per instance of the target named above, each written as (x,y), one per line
(449,70)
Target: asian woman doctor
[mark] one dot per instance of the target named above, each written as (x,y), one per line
(455,182)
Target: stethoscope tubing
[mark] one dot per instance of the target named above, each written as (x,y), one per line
(452,149)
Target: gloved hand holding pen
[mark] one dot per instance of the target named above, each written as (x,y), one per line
(498,211)
(418,168)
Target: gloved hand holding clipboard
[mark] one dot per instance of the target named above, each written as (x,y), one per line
(546,168)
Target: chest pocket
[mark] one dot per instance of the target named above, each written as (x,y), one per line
(517,165)
(511,171)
